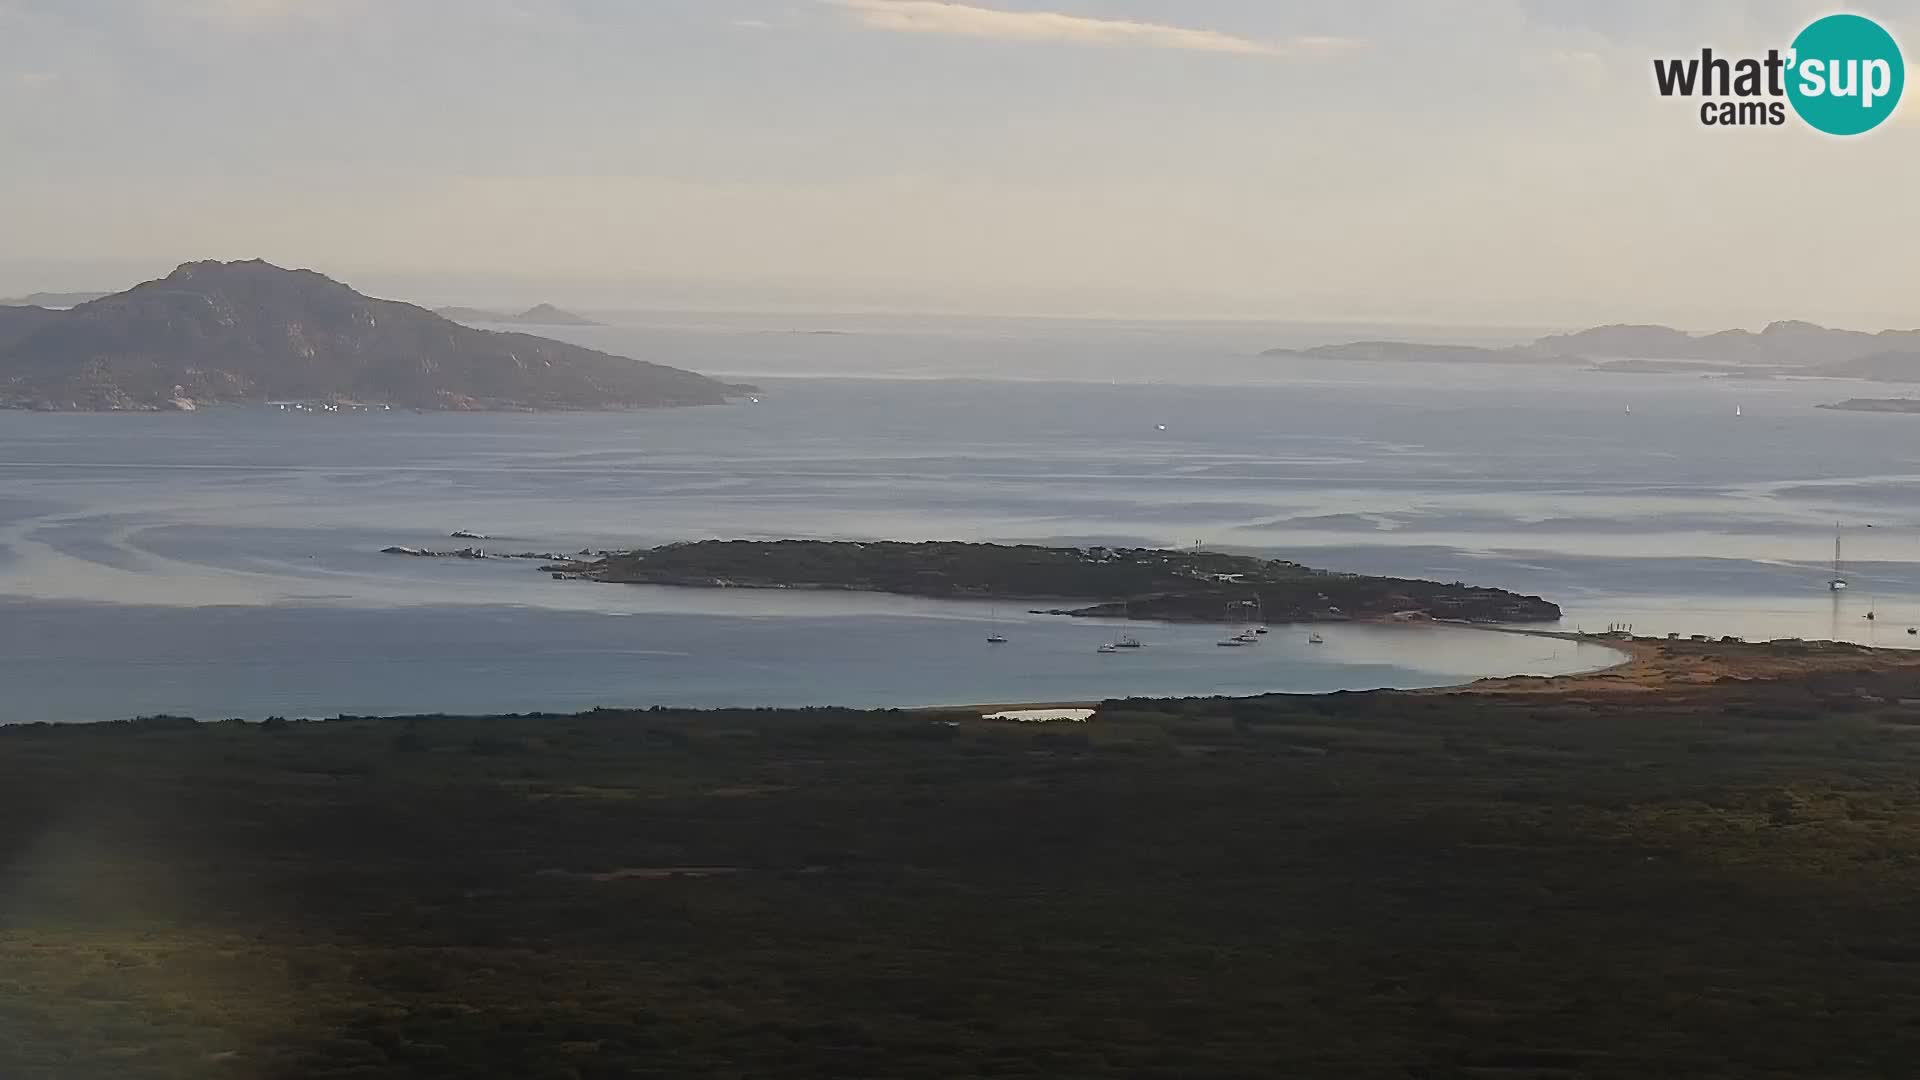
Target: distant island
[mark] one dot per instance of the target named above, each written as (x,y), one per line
(537,315)
(251,332)
(1419,352)
(1885,405)
(1140,583)
(1788,347)
(53,299)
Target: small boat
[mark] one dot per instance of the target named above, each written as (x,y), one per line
(1315,638)
(996,639)
(1259,629)
(1109,647)
(1246,636)
(1913,629)
(1837,582)
(1736,412)
(1128,642)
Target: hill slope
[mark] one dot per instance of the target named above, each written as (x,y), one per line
(239,332)
(19,322)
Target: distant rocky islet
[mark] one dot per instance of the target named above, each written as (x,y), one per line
(231,333)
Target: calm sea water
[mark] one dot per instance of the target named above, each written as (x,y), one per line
(227,562)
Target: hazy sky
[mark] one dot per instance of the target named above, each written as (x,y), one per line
(1434,160)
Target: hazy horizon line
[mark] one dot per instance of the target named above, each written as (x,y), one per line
(594,296)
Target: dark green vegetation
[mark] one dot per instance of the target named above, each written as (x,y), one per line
(1145,583)
(1710,882)
(247,332)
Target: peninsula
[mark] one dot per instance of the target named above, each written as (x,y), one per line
(1696,865)
(251,332)
(1191,585)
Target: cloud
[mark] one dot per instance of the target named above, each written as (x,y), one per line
(254,12)
(966,20)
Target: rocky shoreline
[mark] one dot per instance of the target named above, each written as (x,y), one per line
(1879,405)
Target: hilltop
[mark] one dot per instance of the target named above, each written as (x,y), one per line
(248,332)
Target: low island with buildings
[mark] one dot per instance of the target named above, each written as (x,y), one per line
(1186,585)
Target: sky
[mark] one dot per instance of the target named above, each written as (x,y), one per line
(1434,161)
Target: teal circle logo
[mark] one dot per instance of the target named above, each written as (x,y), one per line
(1845,75)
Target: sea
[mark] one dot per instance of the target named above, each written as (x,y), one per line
(227,562)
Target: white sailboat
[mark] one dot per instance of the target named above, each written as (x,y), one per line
(1838,581)
(1238,640)
(1314,638)
(995,637)
(1127,641)
(1247,635)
